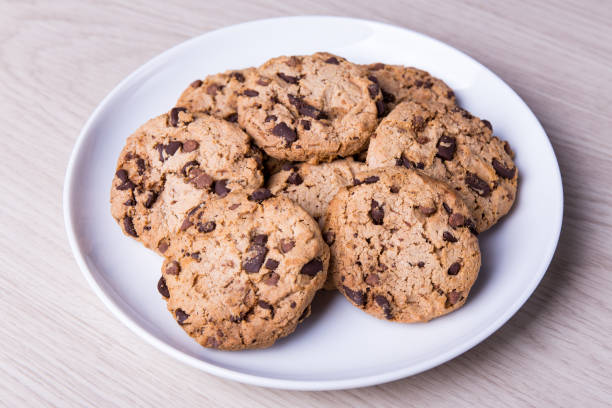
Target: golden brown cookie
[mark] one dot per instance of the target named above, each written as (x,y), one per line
(309,108)
(173,163)
(244,271)
(400,247)
(450,144)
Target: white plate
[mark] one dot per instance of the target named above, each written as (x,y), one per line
(339,346)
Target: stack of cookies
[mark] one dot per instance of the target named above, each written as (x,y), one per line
(264,185)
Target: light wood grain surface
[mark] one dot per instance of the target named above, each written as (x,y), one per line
(59,346)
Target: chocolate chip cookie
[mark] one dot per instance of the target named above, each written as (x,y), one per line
(174,162)
(399,83)
(450,144)
(309,108)
(401,246)
(244,270)
(216,95)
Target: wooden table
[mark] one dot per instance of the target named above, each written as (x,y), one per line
(60,346)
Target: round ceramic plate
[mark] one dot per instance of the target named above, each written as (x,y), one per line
(339,346)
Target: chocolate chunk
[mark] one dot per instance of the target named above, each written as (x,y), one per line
(213,89)
(128,185)
(150,199)
(221,188)
(377,213)
(172,147)
(195,255)
(286,245)
(250,93)
(128,225)
(260,195)
(454,268)
(394,189)
(130,202)
(295,179)
(487,124)
(232,117)
(202,181)
(293,304)
(253,264)
(212,342)
(140,163)
(384,304)
(332,60)
(306,109)
(188,167)
(122,175)
(446,147)
(259,240)
(284,131)
(272,264)
(427,211)
(196,84)
(357,182)
(471,226)
(264,305)
(163,246)
(208,226)
(450,94)
(238,76)
(447,208)
(234,206)
(371,179)
(305,124)
(312,268)
(477,184)
(447,236)
(174,115)
(373,89)
(329,237)
(356,296)
(503,171)
(162,288)
(270,118)
(173,268)
(272,278)
(190,146)
(409,164)
(181,316)
(421,264)
(288,78)
(380,108)
(418,123)
(372,279)
(453,297)
(264,81)
(422,139)
(160,150)
(259,251)
(456,220)
(186,224)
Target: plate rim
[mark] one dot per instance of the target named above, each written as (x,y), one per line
(267,381)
